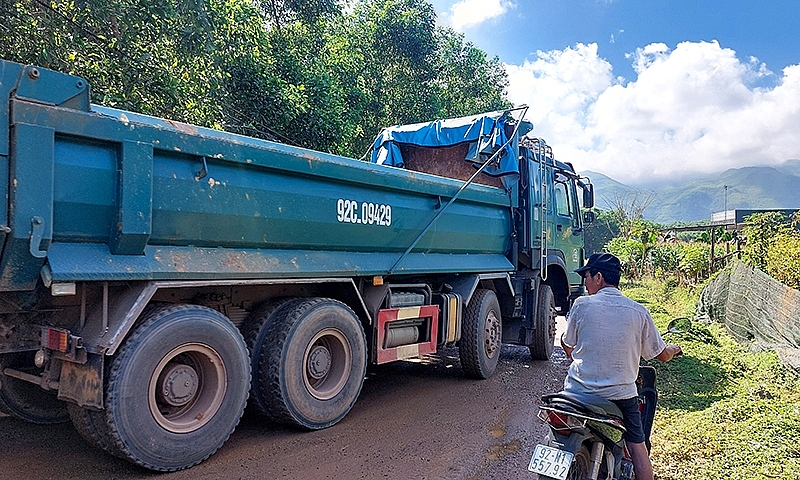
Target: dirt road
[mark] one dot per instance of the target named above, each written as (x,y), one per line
(413,420)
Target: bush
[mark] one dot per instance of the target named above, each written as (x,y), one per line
(694,261)
(759,232)
(783,259)
(724,412)
(685,261)
(772,244)
(628,251)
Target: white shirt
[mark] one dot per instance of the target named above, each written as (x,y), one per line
(610,333)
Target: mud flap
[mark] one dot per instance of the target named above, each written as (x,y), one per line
(83,384)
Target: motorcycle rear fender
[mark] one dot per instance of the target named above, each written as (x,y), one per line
(570,443)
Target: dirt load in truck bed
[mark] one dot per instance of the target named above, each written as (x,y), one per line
(445,162)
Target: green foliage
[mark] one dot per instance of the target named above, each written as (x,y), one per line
(303,72)
(601,231)
(666,258)
(630,252)
(408,70)
(759,230)
(685,261)
(783,259)
(466,80)
(724,412)
(772,243)
(693,262)
(643,250)
(282,12)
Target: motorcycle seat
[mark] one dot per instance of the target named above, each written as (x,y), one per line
(584,402)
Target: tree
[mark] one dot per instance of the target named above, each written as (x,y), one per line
(303,72)
(388,47)
(634,248)
(636,235)
(467,82)
(627,208)
(601,231)
(759,232)
(772,243)
(282,12)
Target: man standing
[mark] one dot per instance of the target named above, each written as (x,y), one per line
(606,335)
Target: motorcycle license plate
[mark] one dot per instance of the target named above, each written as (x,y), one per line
(550,461)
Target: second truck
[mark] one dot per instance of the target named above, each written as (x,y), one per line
(155,275)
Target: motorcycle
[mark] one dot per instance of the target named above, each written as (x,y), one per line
(585,438)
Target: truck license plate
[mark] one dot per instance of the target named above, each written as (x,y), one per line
(551,462)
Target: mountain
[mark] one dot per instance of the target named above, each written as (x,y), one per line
(791,167)
(695,200)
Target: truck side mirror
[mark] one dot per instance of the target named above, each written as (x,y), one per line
(588,217)
(588,195)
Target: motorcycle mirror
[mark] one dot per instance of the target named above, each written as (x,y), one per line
(679,325)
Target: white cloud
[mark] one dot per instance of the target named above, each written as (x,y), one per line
(468,13)
(692,109)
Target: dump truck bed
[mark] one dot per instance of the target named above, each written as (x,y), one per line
(104,194)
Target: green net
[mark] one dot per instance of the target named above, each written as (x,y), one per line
(756,309)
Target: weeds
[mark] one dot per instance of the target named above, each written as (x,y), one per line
(724,412)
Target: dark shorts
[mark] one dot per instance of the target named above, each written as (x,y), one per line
(632,419)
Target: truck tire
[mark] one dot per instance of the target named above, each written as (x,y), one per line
(177,387)
(256,330)
(313,364)
(545,327)
(92,426)
(481,331)
(24,400)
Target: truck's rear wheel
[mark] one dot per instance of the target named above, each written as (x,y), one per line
(481,331)
(27,401)
(177,387)
(313,364)
(545,327)
(256,329)
(93,427)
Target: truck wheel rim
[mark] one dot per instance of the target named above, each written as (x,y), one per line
(187,388)
(326,364)
(492,343)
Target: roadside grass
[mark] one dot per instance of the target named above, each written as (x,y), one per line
(724,412)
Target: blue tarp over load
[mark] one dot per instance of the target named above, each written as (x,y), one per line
(485,134)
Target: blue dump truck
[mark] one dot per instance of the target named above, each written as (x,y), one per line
(156,276)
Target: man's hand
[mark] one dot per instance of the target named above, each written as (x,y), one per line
(567,348)
(670,351)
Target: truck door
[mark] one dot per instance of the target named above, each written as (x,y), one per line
(568,234)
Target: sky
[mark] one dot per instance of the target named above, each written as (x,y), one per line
(647,91)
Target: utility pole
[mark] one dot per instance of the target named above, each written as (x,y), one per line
(726,202)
